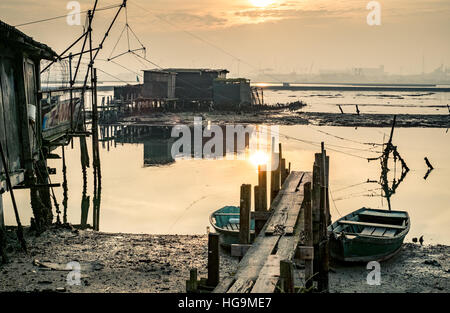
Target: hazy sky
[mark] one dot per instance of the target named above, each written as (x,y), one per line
(244,37)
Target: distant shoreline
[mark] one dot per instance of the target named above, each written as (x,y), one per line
(379,88)
(335,87)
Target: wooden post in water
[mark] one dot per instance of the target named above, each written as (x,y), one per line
(309,242)
(323,283)
(244,228)
(213,260)
(286,276)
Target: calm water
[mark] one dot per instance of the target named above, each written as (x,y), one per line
(178,198)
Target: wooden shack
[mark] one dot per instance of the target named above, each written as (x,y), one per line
(159,85)
(20,111)
(232,92)
(195,84)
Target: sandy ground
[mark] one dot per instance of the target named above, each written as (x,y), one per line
(287,117)
(151,263)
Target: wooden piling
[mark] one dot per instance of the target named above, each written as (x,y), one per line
(274,177)
(283,171)
(245,206)
(213,260)
(309,242)
(256,198)
(323,282)
(192,283)
(315,204)
(340,108)
(262,183)
(260,198)
(286,276)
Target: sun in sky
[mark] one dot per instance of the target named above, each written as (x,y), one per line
(259,158)
(261,3)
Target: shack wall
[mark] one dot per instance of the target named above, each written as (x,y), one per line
(127,92)
(158,85)
(196,85)
(9,115)
(232,92)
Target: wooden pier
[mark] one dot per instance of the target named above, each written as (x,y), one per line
(294,233)
(259,270)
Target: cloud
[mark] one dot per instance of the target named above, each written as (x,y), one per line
(194,20)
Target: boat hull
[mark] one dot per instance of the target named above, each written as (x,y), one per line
(364,249)
(368,235)
(228,236)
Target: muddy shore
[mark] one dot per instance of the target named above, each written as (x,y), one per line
(157,264)
(287,117)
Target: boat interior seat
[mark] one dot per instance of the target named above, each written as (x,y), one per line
(379,231)
(390,233)
(367,230)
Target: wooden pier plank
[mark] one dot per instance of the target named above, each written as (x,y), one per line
(286,248)
(269,275)
(286,213)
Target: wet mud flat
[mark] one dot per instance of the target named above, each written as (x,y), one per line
(287,117)
(160,264)
(415,269)
(109,262)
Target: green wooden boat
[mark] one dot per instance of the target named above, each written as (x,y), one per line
(368,235)
(226,222)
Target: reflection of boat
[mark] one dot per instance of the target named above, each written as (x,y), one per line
(226,222)
(368,235)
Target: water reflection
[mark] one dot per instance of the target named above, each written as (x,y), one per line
(178,198)
(158,143)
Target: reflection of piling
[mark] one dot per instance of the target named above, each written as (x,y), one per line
(64,185)
(84,165)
